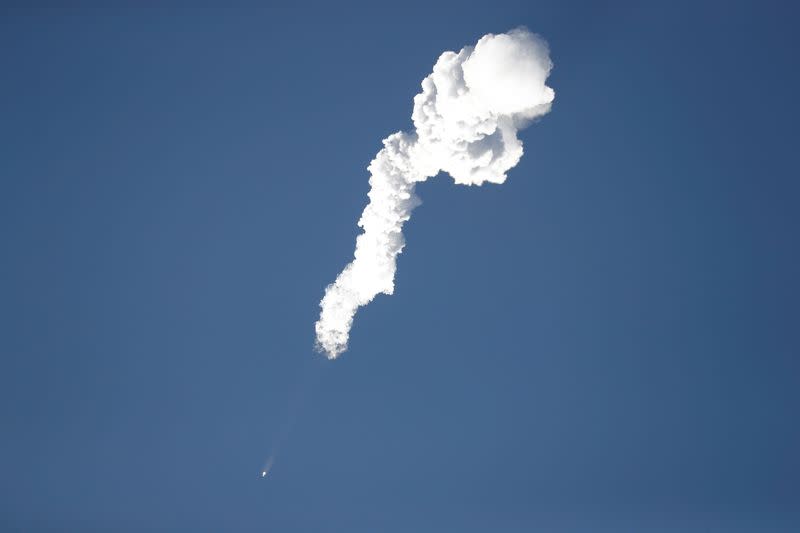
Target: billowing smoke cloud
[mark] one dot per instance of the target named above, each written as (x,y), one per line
(465,123)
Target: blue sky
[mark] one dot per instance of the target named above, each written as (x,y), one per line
(606,342)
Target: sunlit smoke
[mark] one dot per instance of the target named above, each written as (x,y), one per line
(465,123)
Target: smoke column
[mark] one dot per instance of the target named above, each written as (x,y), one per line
(465,123)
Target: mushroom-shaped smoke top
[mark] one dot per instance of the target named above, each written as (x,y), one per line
(507,72)
(466,120)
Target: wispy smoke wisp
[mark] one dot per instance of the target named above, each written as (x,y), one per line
(465,123)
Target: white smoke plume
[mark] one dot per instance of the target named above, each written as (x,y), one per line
(465,123)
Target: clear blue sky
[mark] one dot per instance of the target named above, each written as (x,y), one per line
(607,342)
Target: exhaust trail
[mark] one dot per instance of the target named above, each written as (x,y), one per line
(307,381)
(466,121)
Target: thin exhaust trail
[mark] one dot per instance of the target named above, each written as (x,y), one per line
(303,390)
